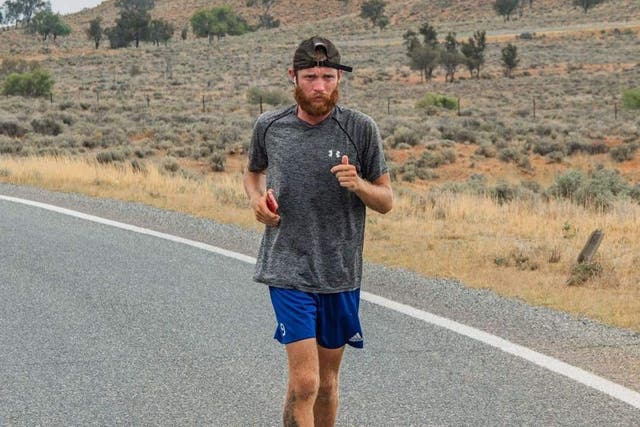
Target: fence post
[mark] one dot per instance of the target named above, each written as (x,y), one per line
(261,104)
(591,247)
(458,106)
(388,105)
(534,108)
(615,111)
(203,105)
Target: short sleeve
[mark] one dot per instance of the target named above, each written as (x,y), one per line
(258,160)
(374,161)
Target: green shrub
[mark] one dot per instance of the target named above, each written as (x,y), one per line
(405,135)
(46,126)
(631,99)
(487,150)
(217,161)
(624,152)
(566,185)
(33,84)
(509,154)
(271,97)
(436,100)
(110,156)
(555,157)
(598,147)
(544,147)
(170,164)
(12,129)
(583,272)
(9,146)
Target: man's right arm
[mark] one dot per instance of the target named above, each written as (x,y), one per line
(255,185)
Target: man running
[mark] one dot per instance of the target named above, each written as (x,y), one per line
(313,169)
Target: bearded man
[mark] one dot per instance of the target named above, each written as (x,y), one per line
(313,169)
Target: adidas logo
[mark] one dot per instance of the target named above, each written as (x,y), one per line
(356,338)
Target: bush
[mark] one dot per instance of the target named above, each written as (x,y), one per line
(487,150)
(217,161)
(271,97)
(33,84)
(589,148)
(12,129)
(624,152)
(598,190)
(631,99)
(170,164)
(46,126)
(404,135)
(567,184)
(436,100)
(544,147)
(105,157)
(583,272)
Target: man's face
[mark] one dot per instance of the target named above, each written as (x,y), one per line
(317,90)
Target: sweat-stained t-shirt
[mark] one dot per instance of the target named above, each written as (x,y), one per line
(317,247)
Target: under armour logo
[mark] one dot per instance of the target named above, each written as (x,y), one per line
(337,154)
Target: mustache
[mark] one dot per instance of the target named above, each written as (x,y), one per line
(311,105)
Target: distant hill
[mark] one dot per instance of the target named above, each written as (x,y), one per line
(400,13)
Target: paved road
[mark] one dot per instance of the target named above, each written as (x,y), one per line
(105,326)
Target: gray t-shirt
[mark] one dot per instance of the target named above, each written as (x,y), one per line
(318,245)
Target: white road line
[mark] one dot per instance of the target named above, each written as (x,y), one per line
(596,382)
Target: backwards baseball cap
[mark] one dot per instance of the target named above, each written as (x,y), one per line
(318,52)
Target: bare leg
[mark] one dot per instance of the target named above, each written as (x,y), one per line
(304,379)
(326,405)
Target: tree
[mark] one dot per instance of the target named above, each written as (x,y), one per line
(586,4)
(505,8)
(47,23)
(218,22)
(473,51)
(510,59)
(95,31)
(424,56)
(373,10)
(266,20)
(160,31)
(450,57)
(23,10)
(134,19)
(13,12)
(429,34)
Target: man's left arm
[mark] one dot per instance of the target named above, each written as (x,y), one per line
(377,195)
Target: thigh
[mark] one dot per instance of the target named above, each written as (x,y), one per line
(329,360)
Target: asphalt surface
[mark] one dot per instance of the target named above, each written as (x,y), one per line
(102,326)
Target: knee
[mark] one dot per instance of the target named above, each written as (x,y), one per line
(328,388)
(305,386)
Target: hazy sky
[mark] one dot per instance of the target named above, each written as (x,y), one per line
(70,6)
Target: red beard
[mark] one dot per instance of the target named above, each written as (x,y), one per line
(317,105)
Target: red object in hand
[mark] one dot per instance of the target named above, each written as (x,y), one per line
(272,204)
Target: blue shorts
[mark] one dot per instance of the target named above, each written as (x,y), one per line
(332,319)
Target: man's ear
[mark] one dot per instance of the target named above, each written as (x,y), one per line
(340,73)
(292,76)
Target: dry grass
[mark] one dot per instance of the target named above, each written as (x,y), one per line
(520,249)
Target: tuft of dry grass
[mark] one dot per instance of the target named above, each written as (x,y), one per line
(522,249)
